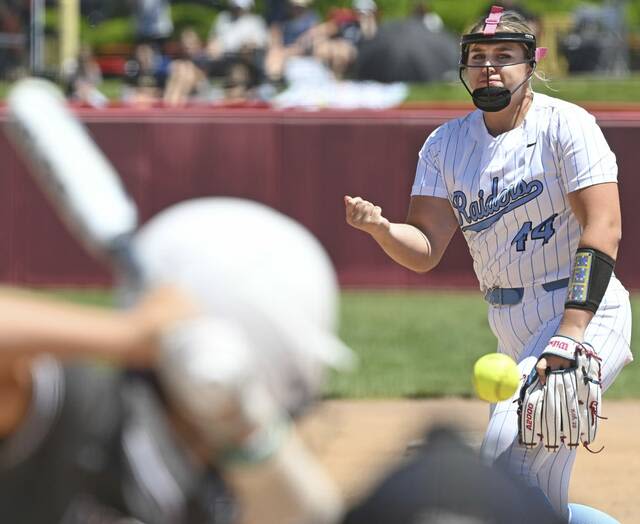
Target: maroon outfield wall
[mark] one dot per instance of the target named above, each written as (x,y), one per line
(298,162)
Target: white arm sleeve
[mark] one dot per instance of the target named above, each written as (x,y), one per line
(429,180)
(585,158)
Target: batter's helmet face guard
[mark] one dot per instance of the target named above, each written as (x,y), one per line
(494,98)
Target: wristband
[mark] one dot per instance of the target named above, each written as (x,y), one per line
(589,279)
(260,446)
(561,346)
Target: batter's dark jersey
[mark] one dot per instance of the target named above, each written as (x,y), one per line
(446,481)
(96,448)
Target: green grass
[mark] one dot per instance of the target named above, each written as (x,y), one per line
(415,344)
(574,89)
(110,87)
(424,344)
(412,344)
(579,88)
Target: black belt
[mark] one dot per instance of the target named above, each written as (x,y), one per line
(510,296)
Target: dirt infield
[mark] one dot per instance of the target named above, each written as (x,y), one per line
(358,440)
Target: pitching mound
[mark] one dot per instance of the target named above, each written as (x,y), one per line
(358,440)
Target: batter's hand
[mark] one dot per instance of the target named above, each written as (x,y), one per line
(364,215)
(157,311)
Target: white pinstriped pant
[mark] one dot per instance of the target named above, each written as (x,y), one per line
(523,331)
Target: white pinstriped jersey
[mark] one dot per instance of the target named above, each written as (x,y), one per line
(509,193)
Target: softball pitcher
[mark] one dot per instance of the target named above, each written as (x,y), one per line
(532,184)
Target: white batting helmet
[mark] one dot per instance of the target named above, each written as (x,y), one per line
(261,273)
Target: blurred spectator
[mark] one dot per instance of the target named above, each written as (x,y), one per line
(367,17)
(597,41)
(83,84)
(145,76)
(237,47)
(431,19)
(406,50)
(291,36)
(237,31)
(337,40)
(235,52)
(14,21)
(275,11)
(153,21)
(241,81)
(187,72)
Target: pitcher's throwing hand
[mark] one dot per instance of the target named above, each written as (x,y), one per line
(364,215)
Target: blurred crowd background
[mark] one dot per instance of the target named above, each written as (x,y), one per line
(179,52)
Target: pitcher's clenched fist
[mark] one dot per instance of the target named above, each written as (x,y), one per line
(364,215)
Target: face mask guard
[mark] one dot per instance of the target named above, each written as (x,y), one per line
(493,98)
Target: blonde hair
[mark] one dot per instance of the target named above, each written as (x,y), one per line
(512,22)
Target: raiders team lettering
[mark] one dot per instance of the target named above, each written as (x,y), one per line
(484,212)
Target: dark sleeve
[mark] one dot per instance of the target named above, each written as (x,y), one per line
(105,452)
(73,422)
(163,484)
(276,11)
(447,479)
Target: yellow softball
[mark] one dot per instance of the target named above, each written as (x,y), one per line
(495,377)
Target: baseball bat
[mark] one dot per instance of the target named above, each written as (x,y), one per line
(79,181)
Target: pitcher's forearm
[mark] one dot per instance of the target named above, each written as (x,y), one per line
(604,235)
(408,246)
